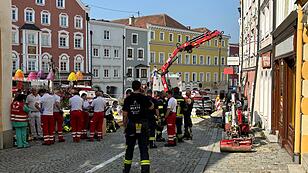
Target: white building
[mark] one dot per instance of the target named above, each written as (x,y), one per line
(107,42)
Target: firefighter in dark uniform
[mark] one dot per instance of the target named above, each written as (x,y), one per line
(181,108)
(187,116)
(135,121)
(153,115)
(161,122)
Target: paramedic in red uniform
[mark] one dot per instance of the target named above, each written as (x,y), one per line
(96,123)
(58,115)
(76,103)
(171,119)
(85,115)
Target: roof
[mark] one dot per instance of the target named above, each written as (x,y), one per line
(30,27)
(159,19)
(203,29)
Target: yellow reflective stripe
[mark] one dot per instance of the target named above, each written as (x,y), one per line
(180,100)
(128,162)
(160,107)
(152,138)
(179,115)
(145,162)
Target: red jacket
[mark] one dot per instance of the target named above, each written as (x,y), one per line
(17,112)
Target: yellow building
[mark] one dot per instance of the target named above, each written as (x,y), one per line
(201,66)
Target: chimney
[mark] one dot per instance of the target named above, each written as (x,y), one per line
(188,27)
(131,21)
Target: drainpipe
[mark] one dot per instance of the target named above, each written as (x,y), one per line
(242,58)
(298,88)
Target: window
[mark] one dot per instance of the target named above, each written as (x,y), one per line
(152,57)
(95,72)
(201,77)
(46,38)
(179,38)
(63,20)
(194,59)
(78,63)
(222,60)
(222,77)
(208,60)
(171,37)
(14,13)
(140,53)
(144,73)
(45,63)
(32,63)
(135,39)
(116,53)
(152,35)
(208,43)
(201,60)
(107,52)
(95,52)
(60,3)
(179,60)
(15,62)
(186,77)
(161,58)
(216,43)
(106,35)
(29,15)
(187,38)
(223,43)
(208,77)
(78,22)
(187,59)
(115,73)
(106,73)
(31,38)
(40,2)
(45,18)
(130,53)
(162,36)
(216,61)
(129,72)
(63,39)
(194,77)
(15,35)
(78,40)
(137,73)
(169,55)
(64,63)
(215,77)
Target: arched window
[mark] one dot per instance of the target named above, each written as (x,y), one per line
(14,13)
(78,40)
(64,63)
(63,20)
(29,15)
(78,22)
(46,38)
(15,61)
(45,17)
(15,35)
(45,62)
(63,39)
(78,63)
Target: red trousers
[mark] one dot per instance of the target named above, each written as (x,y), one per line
(77,124)
(85,116)
(96,124)
(171,119)
(48,127)
(58,120)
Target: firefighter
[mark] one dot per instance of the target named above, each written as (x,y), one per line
(153,114)
(47,103)
(135,121)
(171,119)
(58,115)
(187,116)
(85,115)
(96,123)
(181,107)
(76,103)
(162,108)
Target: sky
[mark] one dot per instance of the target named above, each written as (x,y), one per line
(213,14)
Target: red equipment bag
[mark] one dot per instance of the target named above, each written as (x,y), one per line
(236,145)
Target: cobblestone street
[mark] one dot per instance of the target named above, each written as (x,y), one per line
(107,156)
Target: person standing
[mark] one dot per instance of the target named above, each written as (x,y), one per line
(171,119)
(187,116)
(47,104)
(153,115)
(85,115)
(19,118)
(76,103)
(181,107)
(162,108)
(96,123)
(135,121)
(58,115)
(32,101)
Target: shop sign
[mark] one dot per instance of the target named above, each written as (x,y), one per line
(266,60)
(233,61)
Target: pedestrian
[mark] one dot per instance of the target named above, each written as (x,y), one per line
(153,114)
(187,116)
(171,119)
(85,115)
(58,115)
(96,123)
(162,108)
(181,107)
(47,105)
(32,101)
(19,118)
(135,121)
(76,103)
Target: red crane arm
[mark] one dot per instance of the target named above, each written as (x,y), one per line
(187,46)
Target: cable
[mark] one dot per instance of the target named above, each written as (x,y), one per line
(116,10)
